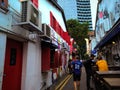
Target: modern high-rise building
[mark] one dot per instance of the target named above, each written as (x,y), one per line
(77,9)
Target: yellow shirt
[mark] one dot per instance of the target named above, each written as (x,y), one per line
(102,65)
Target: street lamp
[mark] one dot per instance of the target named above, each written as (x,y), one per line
(87,46)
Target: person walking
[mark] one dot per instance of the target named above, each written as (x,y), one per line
(76,65)
(89,72)
(102,64)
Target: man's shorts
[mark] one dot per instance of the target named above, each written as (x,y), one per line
(76,77)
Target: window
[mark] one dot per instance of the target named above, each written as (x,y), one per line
(52,54)
(4,5)
(45,58)
(13,56)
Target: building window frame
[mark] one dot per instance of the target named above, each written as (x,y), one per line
(4,5)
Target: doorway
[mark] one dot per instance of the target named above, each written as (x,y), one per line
(12,66)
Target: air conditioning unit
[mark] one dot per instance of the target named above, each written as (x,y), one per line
(46,32)
(31,17)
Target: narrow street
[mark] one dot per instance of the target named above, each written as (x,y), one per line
(69,83)
(41,39)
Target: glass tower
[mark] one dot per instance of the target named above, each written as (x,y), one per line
(77,9)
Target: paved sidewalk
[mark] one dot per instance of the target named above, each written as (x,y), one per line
(69,85)
(58,81)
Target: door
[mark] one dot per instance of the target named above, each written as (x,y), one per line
(13,66)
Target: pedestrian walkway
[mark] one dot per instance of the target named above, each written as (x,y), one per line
(83,85)
(69,84)
(83,80)
(58,82)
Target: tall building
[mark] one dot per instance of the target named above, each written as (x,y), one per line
(84,12)
(77,9)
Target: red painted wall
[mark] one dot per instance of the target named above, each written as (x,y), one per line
(56,26)
(45,58)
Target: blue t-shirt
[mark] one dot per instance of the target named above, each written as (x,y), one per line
(77,64)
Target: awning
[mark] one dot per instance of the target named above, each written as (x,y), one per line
(113,32)
(53,46)
(49,44)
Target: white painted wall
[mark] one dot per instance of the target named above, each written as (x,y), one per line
(6,23)
(45,7)
(2,56)
(46,78)
(31,74)
(16,5)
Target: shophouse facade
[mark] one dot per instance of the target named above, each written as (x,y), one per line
(108,31)
(34,44)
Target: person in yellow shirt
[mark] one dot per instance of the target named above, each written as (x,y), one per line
(102,64)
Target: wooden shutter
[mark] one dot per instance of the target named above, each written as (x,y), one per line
(56,59)
(6,3)
(45,59)
(35,2)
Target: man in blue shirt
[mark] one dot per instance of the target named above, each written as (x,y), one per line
(76,66)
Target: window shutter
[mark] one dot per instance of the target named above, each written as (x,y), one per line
(6,3)
(45,59)
(56,59)
(35,2)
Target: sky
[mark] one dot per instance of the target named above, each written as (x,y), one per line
(93,11)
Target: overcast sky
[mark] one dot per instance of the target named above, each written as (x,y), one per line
(93,11)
